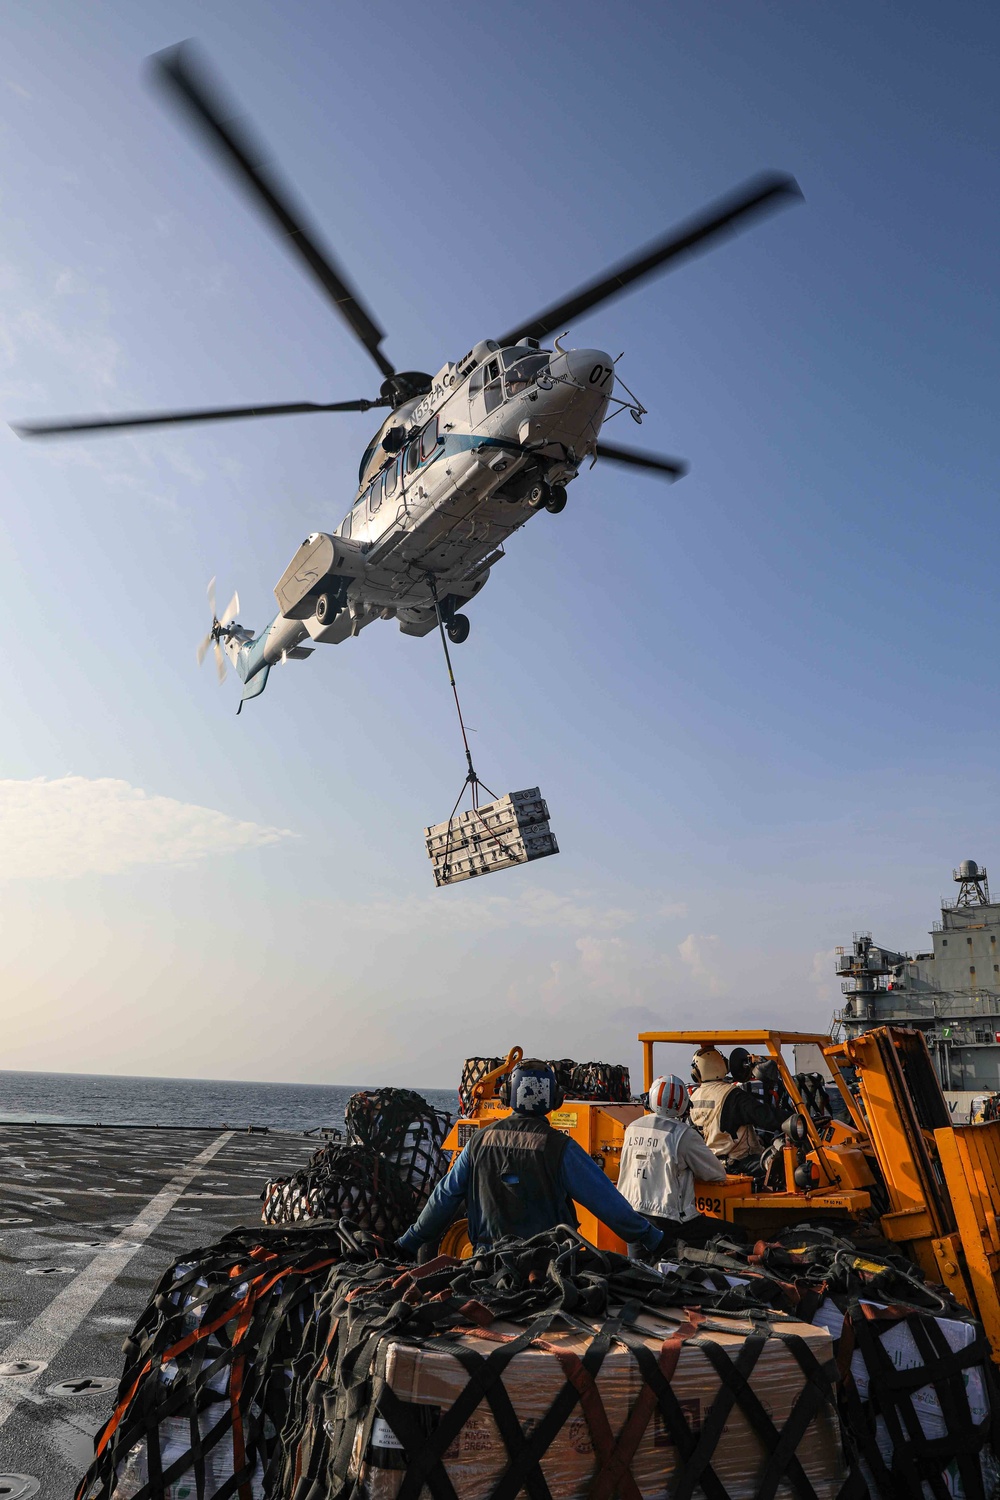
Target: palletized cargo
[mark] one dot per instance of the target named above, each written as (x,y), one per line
(511,830)
(547,1369)
(380,1178)
(488,857)
(472,834)
(507,840)
(503,813)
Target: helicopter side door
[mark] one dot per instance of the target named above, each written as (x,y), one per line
(485,391)
(385,500)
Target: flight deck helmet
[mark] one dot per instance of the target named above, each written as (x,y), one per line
(741,1064)
(533,1088)
(709,1065)
(668,1097)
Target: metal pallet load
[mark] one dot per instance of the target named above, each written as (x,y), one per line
(509,831)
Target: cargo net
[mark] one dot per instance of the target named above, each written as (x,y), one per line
(917,1391)
(380,1178)
(267,1367)
(602,1083)
(473,1072)
(205,1389)
(405,1130)
(361,1426)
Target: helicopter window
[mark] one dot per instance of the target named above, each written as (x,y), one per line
(375,496)
(493,394)
(391,478)
(413,456)
(493,369)
(429,438)
(523,371)
(345,525)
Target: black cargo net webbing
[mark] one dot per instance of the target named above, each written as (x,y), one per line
(473,1072)
(402,1127)
(918,1460)
(552,1276)
(380,1178)
(204,1393)
(808,1264)
(598,1082)
(343,1180)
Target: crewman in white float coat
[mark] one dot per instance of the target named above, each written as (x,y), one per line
(662,1157)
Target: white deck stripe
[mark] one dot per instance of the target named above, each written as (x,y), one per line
(60,1319)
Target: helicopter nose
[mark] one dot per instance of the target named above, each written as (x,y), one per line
(591,368)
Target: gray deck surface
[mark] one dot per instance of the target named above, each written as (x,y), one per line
(75,1201)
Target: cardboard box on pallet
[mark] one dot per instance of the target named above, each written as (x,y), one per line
(485,858)
(517,844)
(473,836)
(515,810)
(509,831)
(430,1381)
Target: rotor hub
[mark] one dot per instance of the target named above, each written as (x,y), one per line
(405,385)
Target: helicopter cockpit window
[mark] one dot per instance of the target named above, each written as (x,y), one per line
(429,438)
(493,394)
(345,526)
(413,456)
(522,369)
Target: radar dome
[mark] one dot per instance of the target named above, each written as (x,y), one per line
(968,869)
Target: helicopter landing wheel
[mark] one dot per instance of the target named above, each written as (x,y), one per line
(325,609)
(557,499)
(537,494)
(458,628)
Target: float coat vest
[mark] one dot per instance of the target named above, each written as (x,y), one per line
(706,1115)
(651,1176)
(515,1180)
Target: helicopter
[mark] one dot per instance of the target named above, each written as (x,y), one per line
(463,458)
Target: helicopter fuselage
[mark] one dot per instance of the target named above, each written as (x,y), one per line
(447,479)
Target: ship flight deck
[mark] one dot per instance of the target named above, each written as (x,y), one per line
(90,1218)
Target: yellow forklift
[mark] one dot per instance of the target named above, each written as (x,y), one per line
(893,1167)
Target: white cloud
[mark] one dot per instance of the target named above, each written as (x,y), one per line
(695,952)
(73,826)
(673,909)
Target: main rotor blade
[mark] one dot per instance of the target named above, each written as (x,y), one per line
(186,79)
(211,596)
(761,195)
(634,458)
(203,648)
(199,414)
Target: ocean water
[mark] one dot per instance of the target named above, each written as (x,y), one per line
(91,1098)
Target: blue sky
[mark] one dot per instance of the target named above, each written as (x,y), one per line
(761,703)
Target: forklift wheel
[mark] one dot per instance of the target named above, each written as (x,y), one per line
(455,1241)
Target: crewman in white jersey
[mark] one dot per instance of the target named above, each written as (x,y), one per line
(662,1156)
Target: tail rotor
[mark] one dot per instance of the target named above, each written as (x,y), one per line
(218,630)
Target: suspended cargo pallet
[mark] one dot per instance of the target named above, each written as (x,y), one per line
(509,831)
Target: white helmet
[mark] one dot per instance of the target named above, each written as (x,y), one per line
(708,1065)
(668,1097)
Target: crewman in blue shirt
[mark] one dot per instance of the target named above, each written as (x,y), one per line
(519,1177)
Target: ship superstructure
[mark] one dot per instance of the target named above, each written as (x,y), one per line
(951,993)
